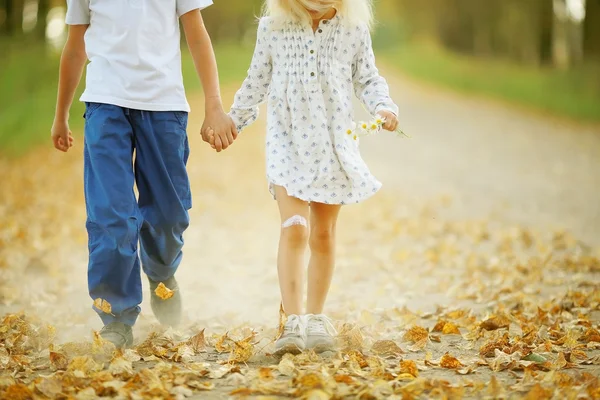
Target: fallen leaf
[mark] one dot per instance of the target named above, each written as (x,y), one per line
(386,348)
(224,344)
(198,342)
(59,361)
(418,346)
(265,373)
(49,387)
(83,365)
(119,366)
(496,322)
(347,379)
(103,306)
(18,392)
(450,362)
(286,365)
(535,358)
(495,389)
(416,334)
(537,392)
(450,329)
(350,337)
(242,350)
(282,321)
(409,367)
(163,292)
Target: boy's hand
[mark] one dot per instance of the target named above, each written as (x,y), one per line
(391,121)
(220,128)
(62,136)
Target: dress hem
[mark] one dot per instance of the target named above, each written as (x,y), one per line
(308,199)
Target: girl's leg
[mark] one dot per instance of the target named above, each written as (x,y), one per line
(323,219)
(292,245)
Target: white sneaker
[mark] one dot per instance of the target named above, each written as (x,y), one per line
(293,339)
(320,333)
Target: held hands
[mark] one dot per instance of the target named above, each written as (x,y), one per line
(218,130)
(62,136)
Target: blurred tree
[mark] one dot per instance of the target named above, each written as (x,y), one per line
(42,19)
(591,30)
(233,20)
(14,16)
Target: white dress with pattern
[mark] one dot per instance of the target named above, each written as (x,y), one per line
(307,79)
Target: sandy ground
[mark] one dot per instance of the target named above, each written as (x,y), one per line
(481,210)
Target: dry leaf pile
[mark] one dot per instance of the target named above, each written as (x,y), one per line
(427,307)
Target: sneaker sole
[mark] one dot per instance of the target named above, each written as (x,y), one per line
(288,349)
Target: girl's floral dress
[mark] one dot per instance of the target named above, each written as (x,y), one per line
(307,79)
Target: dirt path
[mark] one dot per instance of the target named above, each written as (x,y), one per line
(469,225)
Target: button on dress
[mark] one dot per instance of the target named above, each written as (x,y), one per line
(307,79)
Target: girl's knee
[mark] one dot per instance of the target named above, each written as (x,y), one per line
(294,231)
(322,238)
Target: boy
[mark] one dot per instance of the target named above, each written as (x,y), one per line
(135,101)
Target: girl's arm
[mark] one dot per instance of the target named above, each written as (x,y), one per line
(203,55)
(253,92)
(370,87)
(72,62)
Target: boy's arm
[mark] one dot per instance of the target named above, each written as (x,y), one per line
(72,62)
(370,87)
(203,54)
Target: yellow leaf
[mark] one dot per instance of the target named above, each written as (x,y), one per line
(416,334)
(386,348)
(450,329)
(286,365)
(197,342)
(18,391)
(537,392)
(84,365)
(58,360)
(409,367)
(265,373)
(242,350)
(223,345)
(450,362)
(163,292)
(282,321)
(103,306)
(496,322)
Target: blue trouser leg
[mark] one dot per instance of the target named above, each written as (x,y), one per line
(113,220)
(164,190)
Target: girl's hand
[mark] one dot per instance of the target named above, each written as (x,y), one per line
(391,121)
(220,126)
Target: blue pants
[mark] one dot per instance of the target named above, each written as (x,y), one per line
(116,220)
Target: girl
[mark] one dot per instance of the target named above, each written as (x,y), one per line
(310,55)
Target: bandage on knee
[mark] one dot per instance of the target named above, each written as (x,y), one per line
(295,220)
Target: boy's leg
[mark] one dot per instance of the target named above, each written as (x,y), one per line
(113,219)
(164,200)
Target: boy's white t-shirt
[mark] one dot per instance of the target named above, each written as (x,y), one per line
(134,51)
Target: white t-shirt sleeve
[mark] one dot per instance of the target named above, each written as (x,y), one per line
(185,6)
(78,12)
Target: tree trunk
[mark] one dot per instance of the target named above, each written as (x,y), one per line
(546,33)
(42,19)
(14,16)
(591,30)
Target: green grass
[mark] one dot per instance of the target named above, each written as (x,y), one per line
(574,94)
(31,81)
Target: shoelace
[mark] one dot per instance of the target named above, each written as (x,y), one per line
(293,324)
(320,325)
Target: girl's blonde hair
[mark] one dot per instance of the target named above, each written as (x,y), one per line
(355,11)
